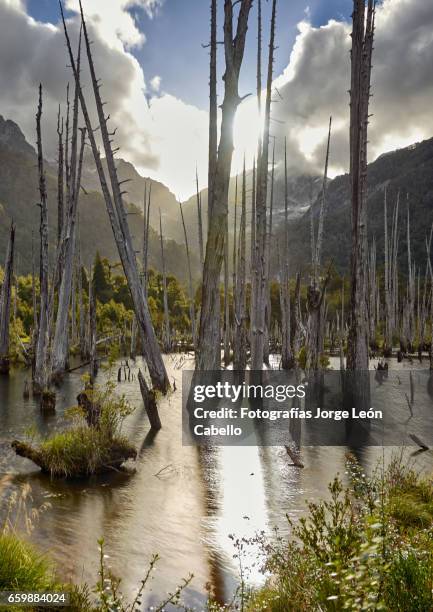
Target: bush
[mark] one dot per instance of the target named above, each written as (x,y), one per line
(370,546)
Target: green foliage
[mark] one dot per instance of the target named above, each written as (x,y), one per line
(103,290)
(21,566)
(83,450)
(368,547)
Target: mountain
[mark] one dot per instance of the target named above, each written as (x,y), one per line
(19,197)
(406,173)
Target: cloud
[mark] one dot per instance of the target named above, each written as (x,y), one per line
(116,26)
(155,83)
(315,83)
(165,137)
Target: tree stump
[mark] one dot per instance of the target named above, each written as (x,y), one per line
(92,411)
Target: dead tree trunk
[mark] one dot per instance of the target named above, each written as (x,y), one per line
(226,299)
(59,351)
(149,400)
(93,366)
(5,303)
(199,222)
(287,357)
(259,277)
(362,46)
(209,343)
(213,130)
(118,220)
(319,242)
(41,377)
(146,220)
(60,187)
(191,286)
(266,347)
(34,305)
(240,331)
(166,341)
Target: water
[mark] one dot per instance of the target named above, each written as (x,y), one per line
(182,502)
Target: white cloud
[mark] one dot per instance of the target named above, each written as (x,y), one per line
(314,86)
(116,26)
(155,83)
(166,137)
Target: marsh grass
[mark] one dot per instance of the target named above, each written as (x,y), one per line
(83,450)
(368,547)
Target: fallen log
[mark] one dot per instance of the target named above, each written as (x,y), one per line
(118,454)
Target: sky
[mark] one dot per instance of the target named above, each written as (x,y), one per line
(154,69)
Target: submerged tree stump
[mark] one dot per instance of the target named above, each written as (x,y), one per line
(149,399)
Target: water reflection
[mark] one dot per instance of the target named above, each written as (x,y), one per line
(182,502)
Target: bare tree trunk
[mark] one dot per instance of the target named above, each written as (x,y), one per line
(146,220)
(199,222)
(317,260)
(81,317)
(266,347)
(133,349)
(191,286)
(41,376)
(118,220)
(149,400)
(226,299)
(60,193)
(213,130)
(5,303)
(92,329)
(259,287)
(235,234)
(240,331)
(362,44)
(59,351)
(167,334)
(287,357)
(34,305)
(209,343)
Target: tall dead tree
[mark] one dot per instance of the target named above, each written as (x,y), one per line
(166,338)
(266,347)
(199,221)
(60,172)
(226,298)
(190,283)
(146,226)
(5,303)
(118,218)
(322,213)
(213,130)
(209,342)
(41,374)
(259,287)
(59,349)
(287,357)
(315,294)
(93,365)
(240,330)
(362,48)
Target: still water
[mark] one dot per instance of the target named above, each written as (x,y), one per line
(181,502)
